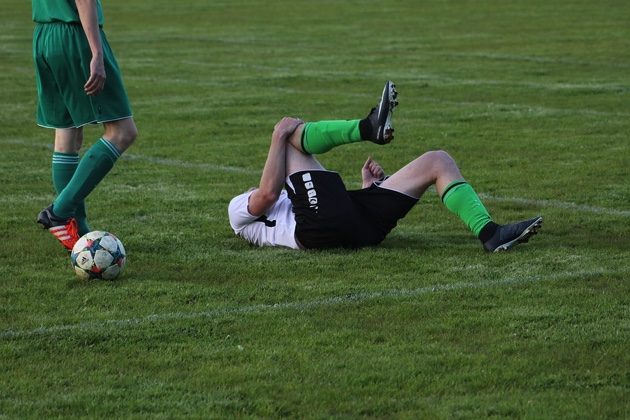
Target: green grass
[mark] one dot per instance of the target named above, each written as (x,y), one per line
(531,98)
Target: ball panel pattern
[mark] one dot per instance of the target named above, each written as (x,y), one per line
(98,255)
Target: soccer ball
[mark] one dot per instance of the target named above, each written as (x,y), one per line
(98,255)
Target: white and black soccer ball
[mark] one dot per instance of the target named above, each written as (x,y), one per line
(98,255)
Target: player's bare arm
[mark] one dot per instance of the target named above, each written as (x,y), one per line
(89,21)
(274,172)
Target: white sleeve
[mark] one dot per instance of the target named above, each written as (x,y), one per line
(238,213)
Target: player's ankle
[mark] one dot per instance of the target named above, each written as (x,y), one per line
(488,231)
(366,130)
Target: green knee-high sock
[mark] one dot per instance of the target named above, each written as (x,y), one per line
(460,198)
(93,167)
(321,136)
(64,166)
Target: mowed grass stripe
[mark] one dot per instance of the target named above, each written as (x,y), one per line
(515,108)
(403,79)
(561,61)
(527,109)
(299,306)
(530,98)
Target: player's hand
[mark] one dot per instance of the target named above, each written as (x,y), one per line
(371,172)
(286,126)
(96,81)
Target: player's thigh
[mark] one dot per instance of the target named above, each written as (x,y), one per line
(412,179)
(112,103)
(51,106)
(67,55)
(297,161)
(434,167)
(52,111)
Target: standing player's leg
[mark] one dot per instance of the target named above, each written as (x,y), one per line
(62,216)
(321,136)
(65,160)
(438,168)
(110,106)
(96,163)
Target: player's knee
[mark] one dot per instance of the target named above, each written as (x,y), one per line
(442,157)
(439,160)
(123,136)
(130,135)
(277,126)
(78,141)
(126,139)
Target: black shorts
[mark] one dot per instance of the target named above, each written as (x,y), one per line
(329,216)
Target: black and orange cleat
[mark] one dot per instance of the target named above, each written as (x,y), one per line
(65,230)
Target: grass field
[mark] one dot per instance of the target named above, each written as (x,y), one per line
(531,98)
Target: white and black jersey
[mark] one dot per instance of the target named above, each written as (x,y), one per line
(317,209)
(275,228)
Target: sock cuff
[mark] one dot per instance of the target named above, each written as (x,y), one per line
(303,138)
(60,158)
(365,128)
(488,231)
(113,151)
(450,188)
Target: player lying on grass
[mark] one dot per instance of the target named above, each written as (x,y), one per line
(315,211)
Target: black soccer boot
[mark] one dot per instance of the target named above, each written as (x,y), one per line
(380,117)
(507,236)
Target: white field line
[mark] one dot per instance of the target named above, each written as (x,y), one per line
(156,160)
(557,204)
(221,168)
(298,306)
(184,164)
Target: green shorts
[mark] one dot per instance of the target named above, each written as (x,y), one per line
(62,66)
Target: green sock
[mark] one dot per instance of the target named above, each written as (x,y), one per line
(95,164)
(63,167)
(321,136)
(460,198)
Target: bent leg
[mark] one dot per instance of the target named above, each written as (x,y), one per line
(296,159)
(439,168)
(320,136)
(435,167)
